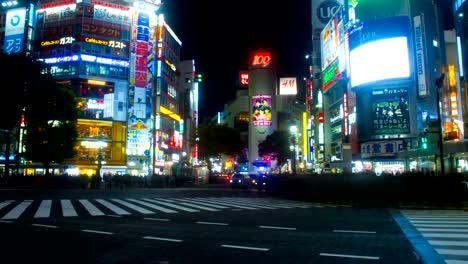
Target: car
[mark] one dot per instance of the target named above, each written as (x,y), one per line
(261,181)
(240,181)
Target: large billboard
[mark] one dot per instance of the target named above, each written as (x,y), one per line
(261,110)
(379,50)
(390,111)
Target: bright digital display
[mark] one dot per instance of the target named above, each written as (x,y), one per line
(261,110)
(390,111)
(380,60)
(379,50)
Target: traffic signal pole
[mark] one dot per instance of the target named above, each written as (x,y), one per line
(439,84)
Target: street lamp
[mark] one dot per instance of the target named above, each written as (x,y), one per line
(293,130)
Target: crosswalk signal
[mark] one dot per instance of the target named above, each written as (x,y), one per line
(424,141)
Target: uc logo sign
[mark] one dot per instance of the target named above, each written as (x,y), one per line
(326,10)
(261,59)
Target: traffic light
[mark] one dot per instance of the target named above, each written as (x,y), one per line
(423,139)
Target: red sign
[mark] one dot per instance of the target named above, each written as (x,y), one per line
(244,78)
(262,59)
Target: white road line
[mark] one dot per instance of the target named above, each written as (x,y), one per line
(437,222)
(354,231)
(153,206)
(67,208)
(442,229)
(157,219)
(454,217)
(348,256)
(233,204)
(448,243)
(112,207)
(201,207)
(6,222)
(201,203)
(445,225)
(211,223)
(172,205)
(134,207)
(252,204)
(92,210)
(114,216)
(445,235)
(16,212)
(458,252)
(44,209)
(278,227)
(5,203)
(48,226)
(455,261)
(97,232)
(242,247)
(163,239)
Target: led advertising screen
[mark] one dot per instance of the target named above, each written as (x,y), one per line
(261,110)
(379,50)
(390,111)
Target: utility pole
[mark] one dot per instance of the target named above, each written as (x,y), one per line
(7,151)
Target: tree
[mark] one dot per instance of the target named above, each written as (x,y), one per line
(276,145)
(46,110)
(214,140)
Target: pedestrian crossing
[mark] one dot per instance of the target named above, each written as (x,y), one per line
(47,208)
(446,231)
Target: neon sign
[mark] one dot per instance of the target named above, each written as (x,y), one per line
(262,59)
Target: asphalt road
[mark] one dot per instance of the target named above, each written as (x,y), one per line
(192,226)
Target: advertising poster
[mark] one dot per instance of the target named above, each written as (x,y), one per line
(390,112)
(261,110)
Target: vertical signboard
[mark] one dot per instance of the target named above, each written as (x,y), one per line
(14,30)
(419,40)
(261,110)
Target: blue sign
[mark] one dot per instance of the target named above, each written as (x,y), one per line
(326,10)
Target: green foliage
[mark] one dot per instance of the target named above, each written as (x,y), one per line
(276,145)
(49,110)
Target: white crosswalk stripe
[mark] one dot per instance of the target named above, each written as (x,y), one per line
(44,209)
(40,209)
(444,230)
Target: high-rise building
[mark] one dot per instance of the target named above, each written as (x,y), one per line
(122,61)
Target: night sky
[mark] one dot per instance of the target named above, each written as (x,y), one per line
(220,35)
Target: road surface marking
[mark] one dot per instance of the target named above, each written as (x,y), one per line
(92,210)
(232,204)
(163,239)
(445,235)
(278,227)
(67,208)
(211,223)
(448,243)
(153,206)
(44,209)
(134,207)
(242,247)
(458,252)
(201,203)
(48,226)
(18,210)
(6,222)
(112,207)
(348,256)
(5,203)
(354,231)
(157,219)
(97,232)
(172,205)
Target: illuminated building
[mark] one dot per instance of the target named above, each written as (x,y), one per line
(122,62)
